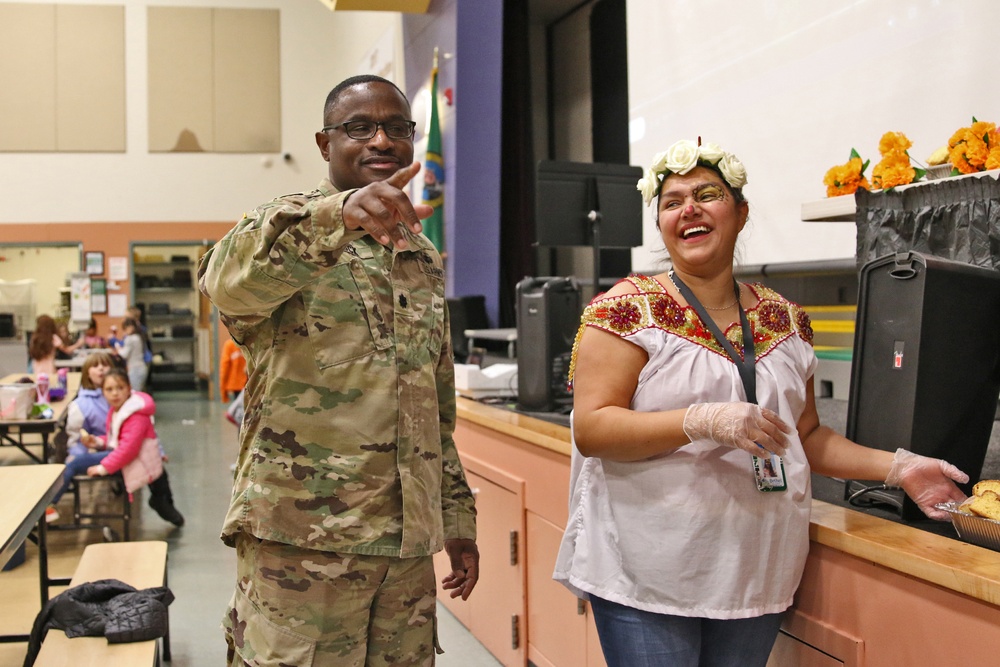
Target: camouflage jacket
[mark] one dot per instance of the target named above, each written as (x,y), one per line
(346,443)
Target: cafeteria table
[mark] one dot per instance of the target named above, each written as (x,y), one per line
(28,490)
(12,430)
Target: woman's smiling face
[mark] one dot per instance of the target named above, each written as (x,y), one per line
(699,218)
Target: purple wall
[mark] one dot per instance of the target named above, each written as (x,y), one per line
(473,32)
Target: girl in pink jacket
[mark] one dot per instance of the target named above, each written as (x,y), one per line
(134,448)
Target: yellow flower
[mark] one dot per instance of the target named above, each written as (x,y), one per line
(993,161)
(845,179)
(971,148)
(959,161)
(893,141)
(894,169)
(982,128)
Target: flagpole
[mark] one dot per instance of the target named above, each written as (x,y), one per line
(433,193)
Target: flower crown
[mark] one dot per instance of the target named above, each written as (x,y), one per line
(684,156)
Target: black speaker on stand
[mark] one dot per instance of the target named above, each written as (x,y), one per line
(548,314)
(925,373)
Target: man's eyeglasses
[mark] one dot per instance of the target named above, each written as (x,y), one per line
(366,129)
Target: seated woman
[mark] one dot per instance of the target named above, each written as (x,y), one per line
(91,339)
(45,345)
(70,342)
(118,440)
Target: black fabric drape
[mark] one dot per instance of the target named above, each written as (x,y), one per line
(956,219)
(517,166)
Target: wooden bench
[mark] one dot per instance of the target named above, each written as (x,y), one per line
(139,564)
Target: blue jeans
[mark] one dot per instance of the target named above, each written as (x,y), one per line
(634,638)
(78,466)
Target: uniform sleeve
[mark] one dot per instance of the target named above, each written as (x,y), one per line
(271,254)
(457,504)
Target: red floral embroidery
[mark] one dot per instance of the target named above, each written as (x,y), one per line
(804,326)
(666,312)
(701,332)
(775,317)
(623,316)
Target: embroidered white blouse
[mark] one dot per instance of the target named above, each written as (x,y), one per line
(688,533)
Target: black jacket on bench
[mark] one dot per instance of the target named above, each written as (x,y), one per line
(108,608)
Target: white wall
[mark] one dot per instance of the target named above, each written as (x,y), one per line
(790,87)
(319,48)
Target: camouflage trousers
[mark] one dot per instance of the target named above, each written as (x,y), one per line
(307,608)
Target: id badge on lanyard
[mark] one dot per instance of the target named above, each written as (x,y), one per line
(768,468)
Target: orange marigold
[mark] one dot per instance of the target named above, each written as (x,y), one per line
(893,141)
(981,128)
(845,179)
(958,160)
(993,161)
(894,169)
(970,148)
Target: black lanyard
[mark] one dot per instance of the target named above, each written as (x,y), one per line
(744,366)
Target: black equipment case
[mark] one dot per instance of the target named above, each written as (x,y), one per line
(925,373)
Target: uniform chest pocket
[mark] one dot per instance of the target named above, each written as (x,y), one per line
(420,308)
(343,316)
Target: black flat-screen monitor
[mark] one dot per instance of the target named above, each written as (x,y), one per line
(566,193)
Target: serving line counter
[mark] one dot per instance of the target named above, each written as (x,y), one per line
(875,591)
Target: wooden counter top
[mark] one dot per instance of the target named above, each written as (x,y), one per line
(536,431)
(946,562)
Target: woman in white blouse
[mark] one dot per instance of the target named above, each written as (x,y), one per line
(693,448)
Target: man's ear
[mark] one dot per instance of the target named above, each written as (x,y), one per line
(323,141)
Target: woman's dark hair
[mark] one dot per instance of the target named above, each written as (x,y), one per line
(116,372)
(131,322)
(94,359)
(41,344)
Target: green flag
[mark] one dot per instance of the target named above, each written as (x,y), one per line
(434,171)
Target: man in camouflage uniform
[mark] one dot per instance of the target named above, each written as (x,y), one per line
(348,478)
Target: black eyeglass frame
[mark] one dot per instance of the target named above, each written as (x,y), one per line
(383,124)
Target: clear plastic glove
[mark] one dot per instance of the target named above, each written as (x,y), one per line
(744,426)
(926,481)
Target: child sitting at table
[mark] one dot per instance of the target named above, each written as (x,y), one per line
(130,444)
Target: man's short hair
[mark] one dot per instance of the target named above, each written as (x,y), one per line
(334,96)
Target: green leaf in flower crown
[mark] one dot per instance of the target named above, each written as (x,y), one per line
(854,154)
(974,120)
(920,173)
(864,166)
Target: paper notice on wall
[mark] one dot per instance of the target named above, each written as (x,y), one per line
(79,297)
(117,268)
(117,303)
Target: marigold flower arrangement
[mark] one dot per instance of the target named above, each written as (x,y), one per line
(846,178)
(895,168)
(974,148)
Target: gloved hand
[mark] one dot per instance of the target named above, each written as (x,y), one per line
(926,481)
(741,425)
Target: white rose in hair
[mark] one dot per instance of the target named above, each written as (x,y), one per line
(659,161)
(733,171)
(710,152)
(649,186)
(682,157)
